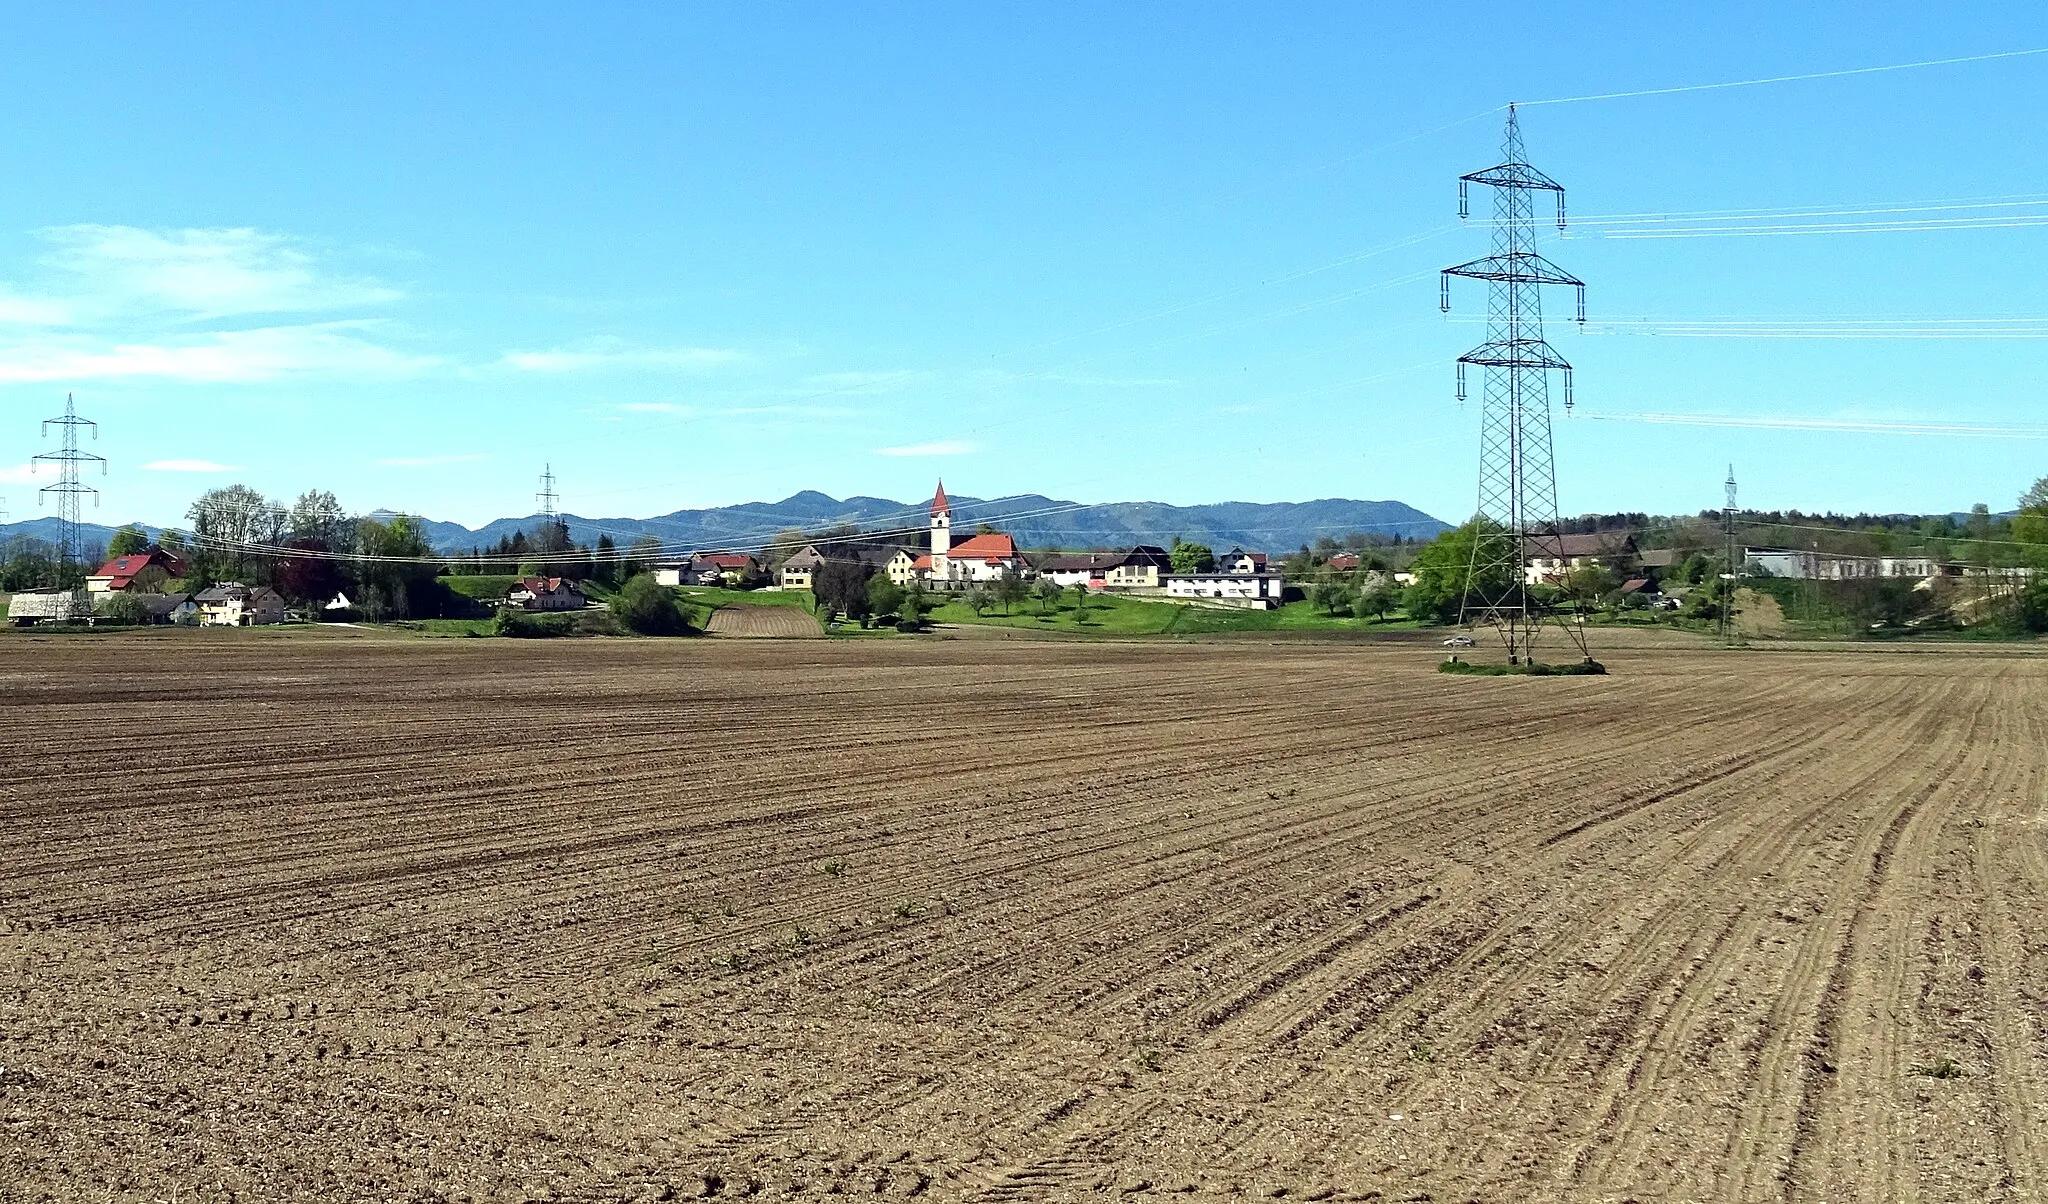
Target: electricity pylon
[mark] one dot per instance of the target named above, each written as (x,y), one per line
(68,487)
(1734,573)
(1517,515)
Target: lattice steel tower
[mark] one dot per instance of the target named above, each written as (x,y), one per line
(1517,515)
(547,497)
(68,487)
(1734,568)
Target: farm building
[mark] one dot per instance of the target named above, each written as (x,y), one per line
(35,607)
(144,571)
(1140,567)
(545,593)
(1257,591)
(169,608)
(1239,561)
(1829,566)
(233,605)
(796,571)
(709,568)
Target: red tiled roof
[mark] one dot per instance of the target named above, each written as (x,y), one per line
(922,562)
(728,560)
(985,547)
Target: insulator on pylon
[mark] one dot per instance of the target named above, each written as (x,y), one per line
(1444,299)
(1582,305)
(1464,205)
(1567,390)
(1461,380)
(1560,208)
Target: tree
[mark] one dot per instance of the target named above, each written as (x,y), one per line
(1191,557)
(978,599)
(121,608)
(640,557)
(884,595)
(395,568)
(1443,572)
(226,525)
(841,586)
(2035,499)
(172,541)
(1010,590)
(317,515)
(1331,593)
(310,576)
(1375,603)
(1589,583)
(646,608)
(1047,591)
(916,602)
(128,541)
(604,563)
(1079,591)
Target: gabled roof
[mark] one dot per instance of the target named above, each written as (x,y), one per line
(984,547)
(1600,543)
(725,560)
(122,569)
(545,585)
(1104,561)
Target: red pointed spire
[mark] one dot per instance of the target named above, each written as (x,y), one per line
(939,503)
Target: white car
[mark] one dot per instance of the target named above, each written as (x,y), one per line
(1458,641)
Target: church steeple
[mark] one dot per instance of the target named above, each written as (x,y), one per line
(942,530)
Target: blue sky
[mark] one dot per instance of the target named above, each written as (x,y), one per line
(695,255)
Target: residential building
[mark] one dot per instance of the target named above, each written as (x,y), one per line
(1548,559)
(1239,561)
(1140,567)
(1343,562)
(234,605)
(170,608)
(545,593)
(709,568)
(144,571)
(797,571)
(1259,591)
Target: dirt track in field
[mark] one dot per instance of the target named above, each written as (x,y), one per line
(777,622)
(606,920)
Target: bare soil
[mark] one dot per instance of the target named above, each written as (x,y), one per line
(773,622)
(346,919)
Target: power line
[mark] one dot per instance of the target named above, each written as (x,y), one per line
(1787,79)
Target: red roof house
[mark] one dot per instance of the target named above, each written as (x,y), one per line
(145,570)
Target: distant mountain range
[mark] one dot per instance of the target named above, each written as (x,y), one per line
(1035,521)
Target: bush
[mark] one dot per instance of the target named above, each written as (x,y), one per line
(646,607)
(906,623)
(521,625)
(123,610)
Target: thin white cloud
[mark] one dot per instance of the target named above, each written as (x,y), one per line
(188,466)
(112,271)
(24,474)
(651,407)
(940,447)
(330,349)
(611,357)
(431,461)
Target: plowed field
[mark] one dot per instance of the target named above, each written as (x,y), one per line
(339,919)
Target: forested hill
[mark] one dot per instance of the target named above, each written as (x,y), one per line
(1035,521)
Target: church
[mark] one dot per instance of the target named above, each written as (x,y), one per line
(949,565)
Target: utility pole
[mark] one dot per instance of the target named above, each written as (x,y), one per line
(68,487)
(555,537)
(1517,515)
(1734,572)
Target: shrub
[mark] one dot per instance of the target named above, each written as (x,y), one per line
(521,625)
(645,607)
(906,623)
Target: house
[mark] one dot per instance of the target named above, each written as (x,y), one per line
(33,607)
(545,593)
(1141,567)
(170,608)
(1548,558)
(233,605)
(1661,559)
(1239,561)
(1342,562)
(1255,591)
(144,571)
(983,557)
(797,570)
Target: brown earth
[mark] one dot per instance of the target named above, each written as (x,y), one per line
(344,919)
(778,622)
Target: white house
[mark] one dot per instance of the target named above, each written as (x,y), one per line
(1141,567)
(545,593)
(233,605)
(1257,591)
